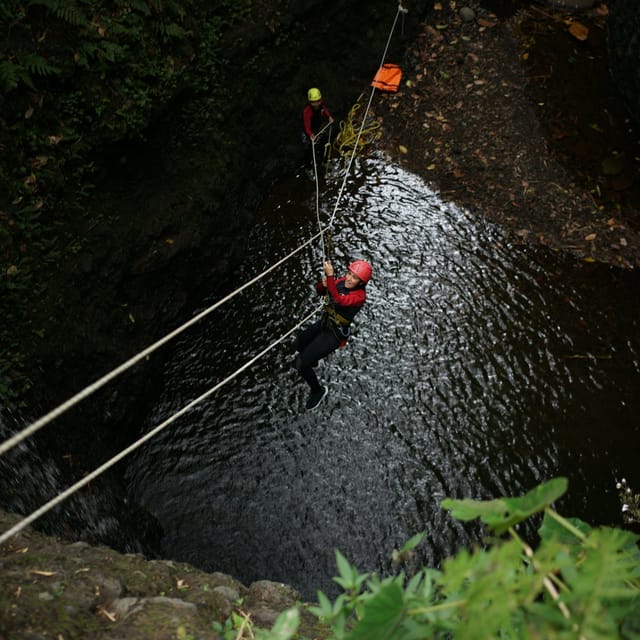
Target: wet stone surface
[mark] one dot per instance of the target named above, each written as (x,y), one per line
(513,115)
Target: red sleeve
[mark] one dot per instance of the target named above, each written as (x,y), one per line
(326,113)
(355,297)
(306,120)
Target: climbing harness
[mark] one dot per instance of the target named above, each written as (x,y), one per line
(337,324)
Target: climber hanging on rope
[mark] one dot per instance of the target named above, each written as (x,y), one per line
(312,122)
(344,297)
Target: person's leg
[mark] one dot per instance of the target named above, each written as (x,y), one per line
(313,344)
(306,336)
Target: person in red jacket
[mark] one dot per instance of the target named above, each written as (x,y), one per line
(312,119)
(344,297)
(313,113)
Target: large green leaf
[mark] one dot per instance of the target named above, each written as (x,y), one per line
(382,615)
(552,528)
(503,513)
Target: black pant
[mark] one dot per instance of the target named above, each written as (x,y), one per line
(313,343)
(309,151)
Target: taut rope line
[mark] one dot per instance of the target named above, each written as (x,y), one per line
(401,10)
(44,420)
(315,177)
(138,443)
(114,373)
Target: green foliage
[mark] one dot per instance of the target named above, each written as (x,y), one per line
(65,10)
(629,502)
(77,76)
(502,514)
(581,582)
(13,73)
(172,30)
(10,75)
(37,65)
(240,627)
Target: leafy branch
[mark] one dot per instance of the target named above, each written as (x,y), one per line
(579,582)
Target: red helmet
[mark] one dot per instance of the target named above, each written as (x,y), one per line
(362,269)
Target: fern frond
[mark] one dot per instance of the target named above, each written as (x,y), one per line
(37,65)
(9,75)
(141,6)
(66,10)
(172,30)
(71,13)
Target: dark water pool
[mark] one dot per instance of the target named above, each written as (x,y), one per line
(477,369)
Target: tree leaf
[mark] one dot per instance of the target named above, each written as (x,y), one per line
(579,31)
(503,513)
(382,614)
(413,542)
(551,529)
(286,625)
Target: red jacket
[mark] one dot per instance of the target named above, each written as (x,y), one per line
(311,119)
(347,302)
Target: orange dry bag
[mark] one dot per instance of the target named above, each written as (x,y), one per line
(388,77)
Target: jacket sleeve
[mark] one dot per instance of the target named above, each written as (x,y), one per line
(355,297)
(306,121)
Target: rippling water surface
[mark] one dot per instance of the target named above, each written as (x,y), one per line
(477,369)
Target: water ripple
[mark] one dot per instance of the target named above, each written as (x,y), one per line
(477,369)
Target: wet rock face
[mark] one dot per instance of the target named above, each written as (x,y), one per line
(624,51)
(53,589)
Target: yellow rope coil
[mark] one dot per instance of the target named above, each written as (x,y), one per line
(347,138)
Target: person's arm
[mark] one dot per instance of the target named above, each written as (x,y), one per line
(327,114)
(306,122)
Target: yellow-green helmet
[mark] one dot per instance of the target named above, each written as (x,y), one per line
(314,94)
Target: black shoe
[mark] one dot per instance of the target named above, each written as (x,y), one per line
(315,398)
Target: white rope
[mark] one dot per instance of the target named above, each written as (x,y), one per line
(315,177)
(125,452)
(92,388)
(44,420)
(400,10)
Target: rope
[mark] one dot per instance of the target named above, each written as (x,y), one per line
(315,177)
(348,139)
(98,384)
(401,10)
(317,196)
(65,406)
(92,388)
(346,130)
(125,452)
